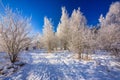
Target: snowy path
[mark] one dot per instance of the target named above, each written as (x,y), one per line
(60,66)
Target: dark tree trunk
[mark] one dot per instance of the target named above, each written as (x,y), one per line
(79,56)
(65,47)
(13,58)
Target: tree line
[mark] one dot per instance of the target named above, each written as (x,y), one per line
(72,33)
(75,35)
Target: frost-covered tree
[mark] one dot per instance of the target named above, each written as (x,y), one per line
(56,42)
(113,16)
(63,30)
(77,32)
(14,33)
(109,33)
(37,41)
(92,37)
(48,35)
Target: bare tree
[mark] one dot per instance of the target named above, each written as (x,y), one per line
(14,33)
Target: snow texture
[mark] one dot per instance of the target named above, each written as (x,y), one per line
(62,66)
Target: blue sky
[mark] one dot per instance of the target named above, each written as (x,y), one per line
(52,9)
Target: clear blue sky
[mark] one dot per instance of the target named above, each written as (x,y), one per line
(52,9)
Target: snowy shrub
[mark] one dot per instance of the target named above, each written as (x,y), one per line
(37,41)
(14,33)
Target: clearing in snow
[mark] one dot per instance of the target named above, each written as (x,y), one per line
(62,66)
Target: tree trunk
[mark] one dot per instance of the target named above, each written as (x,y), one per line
(65,46)
(79,55)
(13,58)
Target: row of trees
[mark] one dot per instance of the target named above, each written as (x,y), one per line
(75,35)
(72,33)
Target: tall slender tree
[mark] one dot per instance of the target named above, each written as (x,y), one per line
(77,28)
(48,35)
(63,29)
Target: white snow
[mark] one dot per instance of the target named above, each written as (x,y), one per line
(41,65)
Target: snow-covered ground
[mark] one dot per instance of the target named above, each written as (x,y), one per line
(62,66)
